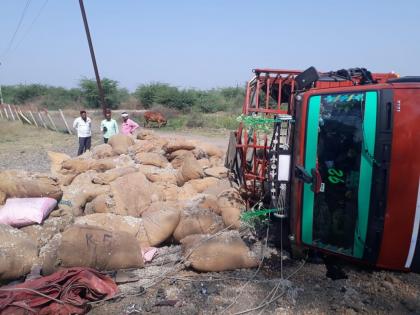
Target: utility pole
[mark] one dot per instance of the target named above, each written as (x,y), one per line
(1,94)
(92,54)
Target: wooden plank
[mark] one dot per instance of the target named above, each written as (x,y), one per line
(5,111)
(17,114)
(65,122)
(42,120)
(52,121)
(1,111)
(11,113)
(33,118)
(24,117)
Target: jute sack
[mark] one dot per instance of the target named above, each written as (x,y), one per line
(56,160)
(159,205)
(190,169)
(230,204)
(81,191)
(218,171)
(205,163)
(42,234)
(101,151)
(133,193)
(178,144)
(112,174)
(209,149)
(178,159)
(202,184)
(166,177)
(209,202)
(141,146)
(177,153)
(151,158)
(171,192)
(150,230)
(102,249)
(223,252)
(198,221)
(21,184)
(18,252)
(120,143)
(146,135)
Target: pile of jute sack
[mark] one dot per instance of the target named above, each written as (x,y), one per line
(119,200)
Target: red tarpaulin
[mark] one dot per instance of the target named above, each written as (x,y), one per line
(65,292)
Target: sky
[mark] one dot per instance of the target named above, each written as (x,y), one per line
(203,43)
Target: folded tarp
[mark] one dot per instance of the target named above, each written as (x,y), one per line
(65,292)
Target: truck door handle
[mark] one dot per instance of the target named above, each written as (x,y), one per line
(314,178)
(302,174)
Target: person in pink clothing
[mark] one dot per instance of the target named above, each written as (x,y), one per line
(128,126)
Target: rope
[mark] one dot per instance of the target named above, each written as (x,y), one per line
(253,276)
(34,291)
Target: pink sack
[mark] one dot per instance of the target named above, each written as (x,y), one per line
(19,212)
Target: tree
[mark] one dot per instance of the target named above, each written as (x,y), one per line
(113,95)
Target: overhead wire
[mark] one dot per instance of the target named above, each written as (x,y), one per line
(41,9)
(12,39)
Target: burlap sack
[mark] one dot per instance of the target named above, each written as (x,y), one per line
(18,252)
(166,177)
(151,158)
(150,230)
(209,149)
(22,184)
(231,205)
(224,252)
(178,160)
(216,190)
(202,184)
(209,202)
(147,135)
(56,160)
(120,143)
(133,193)
(102,151)
(178,144)
(112,174)
(172,192)
(141,146)
(190,169)
(78,166)
(102,249)
(216,161)
(159,205)
(42,234)
(81,191)
(205,163)
(218,171)
(198,221)
(177,153)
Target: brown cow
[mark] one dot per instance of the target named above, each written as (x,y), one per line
(154,116)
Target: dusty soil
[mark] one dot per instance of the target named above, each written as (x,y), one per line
(166,286)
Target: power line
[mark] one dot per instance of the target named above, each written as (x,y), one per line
(32,24)
(22,16)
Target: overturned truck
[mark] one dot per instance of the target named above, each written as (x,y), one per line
(333,156)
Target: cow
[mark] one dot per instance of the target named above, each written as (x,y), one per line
(154,116)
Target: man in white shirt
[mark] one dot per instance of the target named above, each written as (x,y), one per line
(83,125)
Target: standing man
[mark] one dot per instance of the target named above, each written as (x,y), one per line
(128,126)
(109,126)
(83,125)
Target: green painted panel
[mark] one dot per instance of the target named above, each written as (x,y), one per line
(310,163)
(366,169)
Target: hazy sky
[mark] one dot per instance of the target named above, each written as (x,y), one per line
(204,44)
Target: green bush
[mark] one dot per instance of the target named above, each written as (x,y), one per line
(113,95)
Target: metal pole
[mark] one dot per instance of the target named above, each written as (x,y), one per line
(92,54)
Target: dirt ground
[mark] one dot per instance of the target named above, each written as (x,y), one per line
(167,287)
